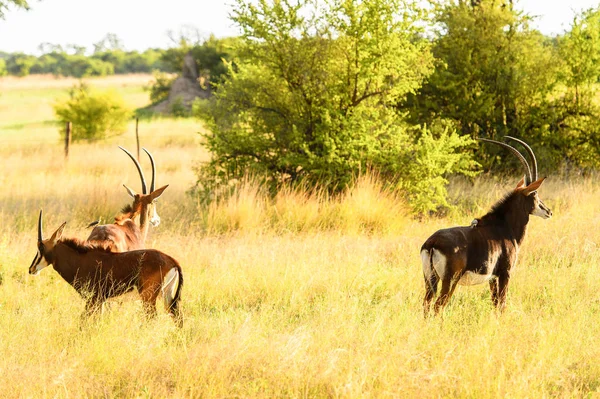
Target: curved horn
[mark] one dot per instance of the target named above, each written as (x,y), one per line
(40,238)
(153,169)
(530,151)
(137,165)
(516,153)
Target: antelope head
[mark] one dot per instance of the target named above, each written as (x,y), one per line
(45,254)
(529,199)
(145,203)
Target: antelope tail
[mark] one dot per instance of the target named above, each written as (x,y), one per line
(428,270)
(431,268)
(171,290)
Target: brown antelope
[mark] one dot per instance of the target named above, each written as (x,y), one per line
(99,274)
(124,234)
(488,249)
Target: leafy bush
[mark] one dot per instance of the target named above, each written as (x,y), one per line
(161,86)
(94,115)
(313,100)
(178,109)
(439,152)
(19,64)
(497,76)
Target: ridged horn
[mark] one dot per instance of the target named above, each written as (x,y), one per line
(137,165)
(153,169)
(531,154)
(517,154)
(40,238)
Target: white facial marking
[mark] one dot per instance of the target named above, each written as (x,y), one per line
(41,263)
(154,219)
(538,211)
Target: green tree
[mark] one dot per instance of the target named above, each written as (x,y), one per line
(20,64)
(3,71)
(211,56)
(574,125)
(94,115)
(495,75)
(312,97)
(161,87)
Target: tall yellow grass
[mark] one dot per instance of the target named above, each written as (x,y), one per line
(299,295)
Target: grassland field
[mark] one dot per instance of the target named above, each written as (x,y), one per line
(301,295)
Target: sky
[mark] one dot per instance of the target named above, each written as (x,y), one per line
(141,24)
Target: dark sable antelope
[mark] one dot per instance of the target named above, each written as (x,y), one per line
(99,274)
(125,234)
(488,249)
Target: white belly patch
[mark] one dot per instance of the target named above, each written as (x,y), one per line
(439,263)
(471,278)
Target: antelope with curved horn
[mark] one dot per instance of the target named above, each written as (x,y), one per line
(124,234)
(99,274)
(488,249)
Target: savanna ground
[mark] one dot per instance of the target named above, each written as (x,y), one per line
(297,296)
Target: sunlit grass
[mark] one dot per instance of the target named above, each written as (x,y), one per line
(298,295)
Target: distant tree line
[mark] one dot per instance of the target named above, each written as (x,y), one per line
(110,57)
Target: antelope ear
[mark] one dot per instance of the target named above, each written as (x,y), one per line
(58,233)
(521,183)
(533,186)
(130,191)
(158,192)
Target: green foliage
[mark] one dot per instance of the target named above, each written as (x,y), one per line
(312,97)
(491,69)
(496,76)
(211,57)
(178,109)
(94,115)
(17,3)
(109,58)
(3,70)
(211,60)
(131,61)
(580,50)
(19,64)
(573,125)
(159,89)
(439,152)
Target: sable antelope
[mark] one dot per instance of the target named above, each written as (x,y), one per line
(124,234)
(488,249)
(99,274)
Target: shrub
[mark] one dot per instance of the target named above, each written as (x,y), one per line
(160,88)
(94,115)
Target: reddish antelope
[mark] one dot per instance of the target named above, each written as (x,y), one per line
(98,274)
(124,234)
(488,249)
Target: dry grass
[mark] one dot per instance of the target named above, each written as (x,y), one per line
(297,296)
(60,82)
